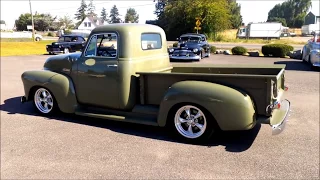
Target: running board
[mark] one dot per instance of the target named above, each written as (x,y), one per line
(126,117)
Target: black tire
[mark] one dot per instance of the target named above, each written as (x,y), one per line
(39,105)
(37,39)
(210,124)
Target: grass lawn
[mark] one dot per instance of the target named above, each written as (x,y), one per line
(23,48)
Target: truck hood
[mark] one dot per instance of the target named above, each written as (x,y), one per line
(61,63)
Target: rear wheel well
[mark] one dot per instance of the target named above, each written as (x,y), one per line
(32,91)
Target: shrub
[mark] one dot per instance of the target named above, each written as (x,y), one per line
(213,49)
(50,34)
(239,50)
(276,50)
(175,44)
(67,31)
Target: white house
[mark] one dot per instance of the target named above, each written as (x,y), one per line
(91,22)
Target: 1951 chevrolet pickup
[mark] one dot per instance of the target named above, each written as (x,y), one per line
(124,73)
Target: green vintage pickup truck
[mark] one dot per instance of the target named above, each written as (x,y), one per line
(124,74)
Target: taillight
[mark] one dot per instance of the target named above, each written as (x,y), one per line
(286,88)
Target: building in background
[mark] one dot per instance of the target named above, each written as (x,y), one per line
(312,18)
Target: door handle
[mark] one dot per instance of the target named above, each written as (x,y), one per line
(113,65)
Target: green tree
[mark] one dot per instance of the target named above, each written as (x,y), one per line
(280,20)
(42,22)
(131,16)
(104,15)
(235,11)
(178,17)
(293,11)
(114,15)
(91,9)
(65,22)
(81,13)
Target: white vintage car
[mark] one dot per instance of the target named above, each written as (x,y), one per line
(311,51)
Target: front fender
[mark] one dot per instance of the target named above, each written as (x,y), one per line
(60,86)
(231,108)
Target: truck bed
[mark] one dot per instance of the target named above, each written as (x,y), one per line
(255,80)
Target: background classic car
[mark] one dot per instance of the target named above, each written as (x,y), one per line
(191,46)
(311,51)
(66,44)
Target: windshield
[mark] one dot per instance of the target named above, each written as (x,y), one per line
(61,39)
(190,38)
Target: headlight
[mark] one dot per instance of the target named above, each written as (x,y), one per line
(46,46)
(178,45)
(171,50)
(195,50)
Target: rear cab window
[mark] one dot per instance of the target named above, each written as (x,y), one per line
(151,41)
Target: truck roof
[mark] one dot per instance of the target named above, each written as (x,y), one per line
(127,27)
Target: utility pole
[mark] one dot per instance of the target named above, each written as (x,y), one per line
(31,20)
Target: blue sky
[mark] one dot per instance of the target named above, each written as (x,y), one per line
(251,10)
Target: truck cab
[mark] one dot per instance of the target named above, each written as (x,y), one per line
(242,33)
(124,74)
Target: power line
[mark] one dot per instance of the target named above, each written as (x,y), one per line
(97,4)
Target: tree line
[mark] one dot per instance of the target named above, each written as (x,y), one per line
(45,21)
(290,13)
(178,16)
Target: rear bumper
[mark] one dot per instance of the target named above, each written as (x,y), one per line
(281,115)
(278,118)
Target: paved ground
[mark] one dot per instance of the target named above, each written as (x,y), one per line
(34,147)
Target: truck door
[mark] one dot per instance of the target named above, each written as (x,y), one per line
(97,76)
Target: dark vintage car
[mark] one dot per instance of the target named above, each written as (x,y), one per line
(191,46)
(66,44)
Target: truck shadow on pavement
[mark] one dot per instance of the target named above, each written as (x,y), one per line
(233,141)
(296,65)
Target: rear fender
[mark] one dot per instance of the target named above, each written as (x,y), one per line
(60,86)
(231,108)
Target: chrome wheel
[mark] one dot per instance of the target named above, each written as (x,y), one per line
(43,100)
(190,122)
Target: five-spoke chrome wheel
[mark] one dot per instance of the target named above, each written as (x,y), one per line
(190,121)
(43,100)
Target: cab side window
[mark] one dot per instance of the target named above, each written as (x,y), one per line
(92,47)
(102,45)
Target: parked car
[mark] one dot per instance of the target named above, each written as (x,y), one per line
(67,44)
(191,46)
(311,51)
(134,81)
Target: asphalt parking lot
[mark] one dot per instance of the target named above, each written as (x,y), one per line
(71,147)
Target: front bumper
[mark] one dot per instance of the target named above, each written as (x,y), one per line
(316,64)
(23,99)
(54,50)
(185,57)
